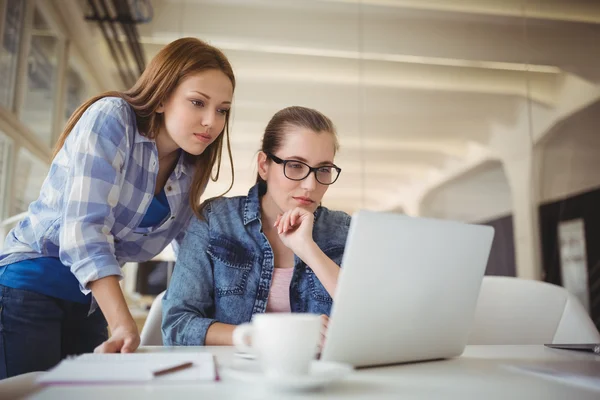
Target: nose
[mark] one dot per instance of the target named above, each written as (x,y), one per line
(310,182)
(208,118)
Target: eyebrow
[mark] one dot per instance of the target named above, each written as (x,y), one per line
(306,161)
(208,97)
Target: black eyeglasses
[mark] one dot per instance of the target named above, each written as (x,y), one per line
(298,170)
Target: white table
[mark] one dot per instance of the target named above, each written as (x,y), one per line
(480,373)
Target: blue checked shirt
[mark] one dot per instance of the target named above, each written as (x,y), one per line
(96,193)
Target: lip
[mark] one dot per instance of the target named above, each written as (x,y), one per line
(303,200)
(203,137)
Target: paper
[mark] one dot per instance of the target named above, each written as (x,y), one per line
(584,373)
(135,367)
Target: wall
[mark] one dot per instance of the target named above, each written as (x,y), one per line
(480,195)
(570,156)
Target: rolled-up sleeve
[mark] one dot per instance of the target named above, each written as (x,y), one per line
(95,150)
(188,305)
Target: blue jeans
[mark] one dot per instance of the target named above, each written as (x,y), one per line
(37,331)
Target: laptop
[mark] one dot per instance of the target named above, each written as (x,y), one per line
(407,289)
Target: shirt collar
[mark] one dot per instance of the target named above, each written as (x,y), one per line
(185,163)
(139,138)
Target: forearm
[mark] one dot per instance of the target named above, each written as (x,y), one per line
(109,296)
(219,334)
(326,270)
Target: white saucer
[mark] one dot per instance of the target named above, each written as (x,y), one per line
(322,373)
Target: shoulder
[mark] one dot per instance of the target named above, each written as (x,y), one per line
(107,120)
(334,219)
(331,231)
(219,211)
(110,118)
(110,106)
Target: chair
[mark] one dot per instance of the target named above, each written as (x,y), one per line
(521,311)
(151,333)
(19,386)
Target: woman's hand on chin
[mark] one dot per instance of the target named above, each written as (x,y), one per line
(295,229)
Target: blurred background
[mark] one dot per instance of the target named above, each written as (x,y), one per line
(484,111)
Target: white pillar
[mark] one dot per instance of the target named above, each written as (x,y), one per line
(520,173)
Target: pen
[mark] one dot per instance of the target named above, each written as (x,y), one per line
(172,369)
(217,377)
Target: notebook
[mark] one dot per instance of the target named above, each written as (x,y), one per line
(133,367)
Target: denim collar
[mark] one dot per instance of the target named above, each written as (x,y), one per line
(252,204)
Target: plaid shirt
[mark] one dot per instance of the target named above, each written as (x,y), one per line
(96,193)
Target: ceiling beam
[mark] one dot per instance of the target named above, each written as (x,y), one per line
(423,37)
(566,10)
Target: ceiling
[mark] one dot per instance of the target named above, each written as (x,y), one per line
(413,86)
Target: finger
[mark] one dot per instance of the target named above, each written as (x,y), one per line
(300,216)
(296,219)
(324,328)
(277,220)
(130,345)
(110,346)
(296,214)
(293,220)
(286,221)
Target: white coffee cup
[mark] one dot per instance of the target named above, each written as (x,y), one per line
(284,343)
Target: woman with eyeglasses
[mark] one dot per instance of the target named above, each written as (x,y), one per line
(275,250)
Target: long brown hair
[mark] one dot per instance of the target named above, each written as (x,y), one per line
(294,116)
(173,63)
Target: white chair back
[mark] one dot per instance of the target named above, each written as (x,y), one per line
(151,333)
(522,311)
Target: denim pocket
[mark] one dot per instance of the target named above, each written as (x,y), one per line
(232,263)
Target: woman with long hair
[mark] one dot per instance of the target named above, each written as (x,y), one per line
(127,175)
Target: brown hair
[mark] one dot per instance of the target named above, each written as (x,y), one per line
(173,63)
(294,116)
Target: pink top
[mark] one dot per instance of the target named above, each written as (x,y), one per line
(279,295)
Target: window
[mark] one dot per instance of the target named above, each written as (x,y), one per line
(75,92)
(29,176)
(6,145)
(38,107)
(11,38)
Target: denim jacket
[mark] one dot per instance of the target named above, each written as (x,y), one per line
(225,267)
